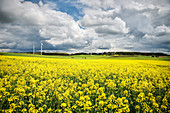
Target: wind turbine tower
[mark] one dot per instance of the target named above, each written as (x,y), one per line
(41,47)
(102,48)
(91,46)
(33,47)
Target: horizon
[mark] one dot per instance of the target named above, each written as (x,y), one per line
(89,53)
(75,26)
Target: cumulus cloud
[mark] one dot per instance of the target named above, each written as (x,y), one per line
(24,23)
(129,25)
(104,24)
(143,25)
(22,11)
(162,30)
(96,4)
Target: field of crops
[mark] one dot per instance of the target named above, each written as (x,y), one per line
(29,84)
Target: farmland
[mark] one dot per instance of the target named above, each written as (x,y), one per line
(96,84)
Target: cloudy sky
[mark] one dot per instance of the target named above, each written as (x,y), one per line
(85,25)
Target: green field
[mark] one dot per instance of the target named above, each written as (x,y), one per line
(91,57)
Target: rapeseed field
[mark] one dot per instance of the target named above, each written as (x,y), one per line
(37,85)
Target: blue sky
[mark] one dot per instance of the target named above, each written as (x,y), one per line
(85,25)
(66,6)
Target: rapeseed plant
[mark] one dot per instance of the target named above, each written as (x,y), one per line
(68,85)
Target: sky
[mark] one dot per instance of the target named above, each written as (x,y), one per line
(85,25)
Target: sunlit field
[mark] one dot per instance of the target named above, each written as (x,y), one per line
(32,84)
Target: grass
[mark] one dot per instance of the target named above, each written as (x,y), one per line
(91,57)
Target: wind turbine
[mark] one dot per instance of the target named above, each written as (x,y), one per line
(33,47)
(102,48)
(41,47)
(115,50)
(91,46)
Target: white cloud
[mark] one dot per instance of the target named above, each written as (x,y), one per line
(162,30)
(124,24)
(29,23)
(104,24)
(140,21)
(96,4)
(116,26)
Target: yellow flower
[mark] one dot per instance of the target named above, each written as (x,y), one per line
(49,109)
(74,106)
(155,105)
(63,105)
(40,109)
(137,107)
(21,103)
(163,107)
(24,110)
(101,103)
(10,99)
